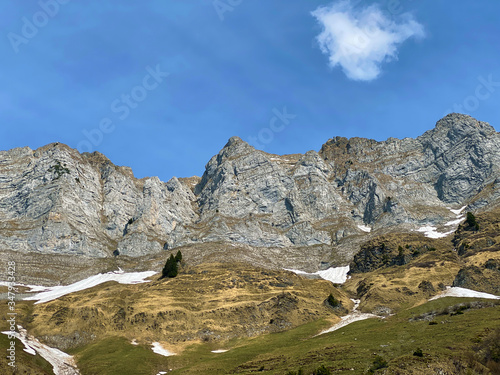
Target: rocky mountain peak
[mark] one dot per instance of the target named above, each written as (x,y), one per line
(456,127)
(55,199)
(235,147)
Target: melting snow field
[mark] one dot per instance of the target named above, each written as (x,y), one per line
(364,228)
(354,316)
(463,292)
(454,222)
(336,275)
(431,232)
(62,363)
(158,349)
(459,211)
(46,294)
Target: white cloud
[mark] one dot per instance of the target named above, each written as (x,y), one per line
(360,40)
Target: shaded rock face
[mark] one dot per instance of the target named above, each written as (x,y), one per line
(484,278)
(55,200)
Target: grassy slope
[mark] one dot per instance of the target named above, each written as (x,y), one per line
(25,363)
(350,350)
(211,302)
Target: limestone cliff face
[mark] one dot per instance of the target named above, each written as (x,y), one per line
(55,200)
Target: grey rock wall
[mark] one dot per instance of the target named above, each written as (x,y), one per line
(55,200)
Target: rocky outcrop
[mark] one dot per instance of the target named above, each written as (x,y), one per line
(483,278)
(55,200)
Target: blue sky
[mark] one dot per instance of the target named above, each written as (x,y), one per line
(161,85)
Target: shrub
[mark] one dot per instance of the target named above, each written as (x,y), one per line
(400,251)
(378,363)
(471,221)
(59,170)
(332,301)
(418,353)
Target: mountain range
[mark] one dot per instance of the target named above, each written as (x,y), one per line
(309,211)
(407,219)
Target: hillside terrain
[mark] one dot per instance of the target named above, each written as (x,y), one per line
(55,200)
(409,219)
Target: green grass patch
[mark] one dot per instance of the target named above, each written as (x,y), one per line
(359,348)
(117,356)
(351,350)
(25,363)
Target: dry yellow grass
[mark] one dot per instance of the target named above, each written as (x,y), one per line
(206,303)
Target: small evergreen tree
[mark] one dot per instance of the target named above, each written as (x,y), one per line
(401,252)
(332,301)
(178,256)
(471,221)
(171,269)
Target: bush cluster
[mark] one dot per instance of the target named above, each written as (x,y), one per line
(332,301)
(171,268)
(471,221)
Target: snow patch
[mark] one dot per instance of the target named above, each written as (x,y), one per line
(431,232)
(218,351)
(134,342)
(336,275)
(354,316)
(463,292)
(158,349)
(454,222)
(458,212)
(46,294)
(365,228)
(62,363)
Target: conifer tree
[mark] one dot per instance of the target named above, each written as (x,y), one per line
(171,269)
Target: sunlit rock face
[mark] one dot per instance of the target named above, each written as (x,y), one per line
(55,200)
